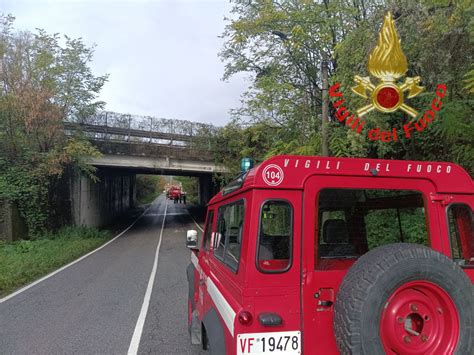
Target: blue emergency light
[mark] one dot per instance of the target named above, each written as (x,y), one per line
(246,164)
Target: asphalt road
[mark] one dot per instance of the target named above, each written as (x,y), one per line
(92,307)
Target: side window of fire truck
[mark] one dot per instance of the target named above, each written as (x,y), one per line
(275,237)
(207,236)
(354,221)
(229,234)
(461,232)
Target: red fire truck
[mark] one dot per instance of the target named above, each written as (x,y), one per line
(174,192)
(321,255)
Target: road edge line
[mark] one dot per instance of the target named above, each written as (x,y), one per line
(196,223)
(138,331)
(34,283)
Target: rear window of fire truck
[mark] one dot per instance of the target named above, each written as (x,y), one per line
(230,225)
(354,221)
(275,237)
(461,233)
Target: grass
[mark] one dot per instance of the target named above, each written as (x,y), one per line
(22,262)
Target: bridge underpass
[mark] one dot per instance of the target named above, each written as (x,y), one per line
(130,147)
(130,295)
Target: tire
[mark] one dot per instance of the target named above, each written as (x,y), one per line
(205,339)
(407,299)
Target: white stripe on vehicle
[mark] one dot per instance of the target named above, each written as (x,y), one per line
(224,308)
(195,261)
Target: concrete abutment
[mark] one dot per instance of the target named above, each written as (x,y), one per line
(12,225)
(98,203)
(206,189)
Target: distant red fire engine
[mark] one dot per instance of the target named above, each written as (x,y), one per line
(176,193)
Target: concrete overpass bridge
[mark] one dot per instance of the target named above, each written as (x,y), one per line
(133,145)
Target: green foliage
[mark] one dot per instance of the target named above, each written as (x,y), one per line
(383,227)
(29,191)
(470,81)
(24,261)
(43,84)
(437,42)
(281,45)
(190,186)
(149,187)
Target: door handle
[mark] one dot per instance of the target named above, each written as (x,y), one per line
(325,297)
(325,303)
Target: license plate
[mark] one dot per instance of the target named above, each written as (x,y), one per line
(269,343)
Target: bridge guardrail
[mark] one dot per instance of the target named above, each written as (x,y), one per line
(112,126)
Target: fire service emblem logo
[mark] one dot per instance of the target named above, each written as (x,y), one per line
(388,64)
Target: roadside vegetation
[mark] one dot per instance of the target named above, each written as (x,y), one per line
(149,187)
(190,185)
(280,46)
(45,81)
(24,261)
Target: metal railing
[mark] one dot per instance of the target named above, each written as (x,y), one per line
(112,126)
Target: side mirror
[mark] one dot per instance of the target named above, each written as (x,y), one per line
(192,239)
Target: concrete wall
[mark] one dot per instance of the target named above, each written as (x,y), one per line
(206,189)
(12,225)
(153,158)
(92,204)
(96,204)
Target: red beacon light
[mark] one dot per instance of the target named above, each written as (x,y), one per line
(245,318)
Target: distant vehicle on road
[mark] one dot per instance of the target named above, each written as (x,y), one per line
(176,193)
(321,255)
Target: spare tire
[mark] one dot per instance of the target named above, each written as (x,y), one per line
(404,299)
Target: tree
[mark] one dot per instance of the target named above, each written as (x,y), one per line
(43,84)
(470,81)
(281,45)
(437,40)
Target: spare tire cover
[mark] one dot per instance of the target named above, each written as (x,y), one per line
(406,299)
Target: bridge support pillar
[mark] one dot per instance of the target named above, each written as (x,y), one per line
(205,189)
(96,204)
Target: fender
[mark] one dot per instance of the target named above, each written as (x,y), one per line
(215,332)
(194,328)
(190,272)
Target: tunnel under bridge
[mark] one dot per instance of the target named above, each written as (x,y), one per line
(132,145)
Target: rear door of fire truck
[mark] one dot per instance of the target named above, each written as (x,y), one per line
(457,221)
(343,216)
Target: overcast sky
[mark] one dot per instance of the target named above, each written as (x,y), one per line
(161,55)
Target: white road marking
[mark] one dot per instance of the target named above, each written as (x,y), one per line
(23,289)
(162,214)
(196,223)
(137,333)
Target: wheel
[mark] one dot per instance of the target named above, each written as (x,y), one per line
(404,299)
(190,315)
(205,339)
